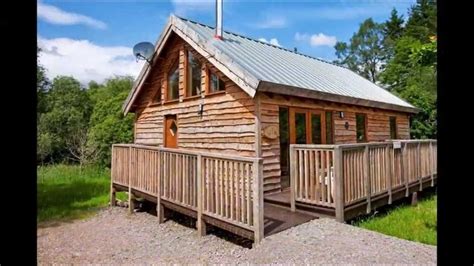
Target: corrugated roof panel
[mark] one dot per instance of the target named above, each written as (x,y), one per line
(276,65)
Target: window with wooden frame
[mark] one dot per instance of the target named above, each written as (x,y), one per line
(214,83)
(393,127)
(172,88)
(329,128)
(361,127)
(193,75)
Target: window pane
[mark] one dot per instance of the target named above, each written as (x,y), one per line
(194,76)
(393,127)
(300,124)
(360,127)
(173,84)
(316,128)
(284,144)
(216,84)
(329,139)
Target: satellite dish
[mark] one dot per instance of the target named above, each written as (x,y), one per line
(144,51)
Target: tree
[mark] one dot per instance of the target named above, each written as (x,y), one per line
(108,125)
(422,22)
(68,111)
(365,52)
(392,31)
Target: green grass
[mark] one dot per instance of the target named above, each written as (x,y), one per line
(66,192)
(415,223)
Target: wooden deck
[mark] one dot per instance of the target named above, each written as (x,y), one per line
(341,181)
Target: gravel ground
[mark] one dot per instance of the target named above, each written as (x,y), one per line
(115,237)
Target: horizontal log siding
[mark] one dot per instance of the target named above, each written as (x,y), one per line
(227,124)
(378,128)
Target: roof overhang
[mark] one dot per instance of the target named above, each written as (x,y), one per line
(307,93)
(245,80)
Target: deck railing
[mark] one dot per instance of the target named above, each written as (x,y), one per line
(226,188)
(343,176)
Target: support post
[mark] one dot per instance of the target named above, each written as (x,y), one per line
(201,225)
(367,178)
(292,178)
(402,161)
(131,203)
(418,167)
(388,170)
(113,201)
(339,179)
(160,210)
(258,200)
(431,163)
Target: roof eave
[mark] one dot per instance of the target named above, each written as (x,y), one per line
(266,86)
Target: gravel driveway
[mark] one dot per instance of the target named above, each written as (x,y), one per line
(113,236)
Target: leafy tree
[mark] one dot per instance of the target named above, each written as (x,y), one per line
(422,22)
(365,52)
(392,31)
(108,125)
(68,111)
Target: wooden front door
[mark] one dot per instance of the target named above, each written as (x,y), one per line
(171,132)
(307,126)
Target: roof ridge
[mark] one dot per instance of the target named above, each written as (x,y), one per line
(266,43)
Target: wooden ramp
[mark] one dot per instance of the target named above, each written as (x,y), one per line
(277,219)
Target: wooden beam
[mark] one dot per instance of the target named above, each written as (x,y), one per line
(258,200)
(292,178)
(367,178)
(339,179)
(201,224)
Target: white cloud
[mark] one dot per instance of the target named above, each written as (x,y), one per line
(271,23)
(273,41)
(183,7)
(55,15)
(85,60)
(319,39)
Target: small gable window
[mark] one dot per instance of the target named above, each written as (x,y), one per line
(193,82)
(173,83)
(215,83)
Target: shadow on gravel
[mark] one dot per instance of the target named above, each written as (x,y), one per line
(150,208)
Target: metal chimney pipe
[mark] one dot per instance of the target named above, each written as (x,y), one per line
(219,33)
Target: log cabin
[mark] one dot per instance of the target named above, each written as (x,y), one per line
(223,121)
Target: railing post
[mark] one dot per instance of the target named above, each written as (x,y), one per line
(131,203)
(160,210)
(431,163)
(367,178)
(402,161)
(201,225)
(112,189)
(292,178)
(388,170)
(258,200)
(418,167)
(339,179)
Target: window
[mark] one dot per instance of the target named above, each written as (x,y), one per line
(316,135)
(360,127)
(329,137)
(173,84)
(300,124)
(193,82)
(216,84)
(393,127)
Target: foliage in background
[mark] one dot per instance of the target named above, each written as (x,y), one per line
(80,125)
(108,125)
(401,57)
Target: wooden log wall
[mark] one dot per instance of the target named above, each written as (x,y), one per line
(378,128)
(227,124)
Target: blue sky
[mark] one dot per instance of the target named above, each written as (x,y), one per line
(92,40)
